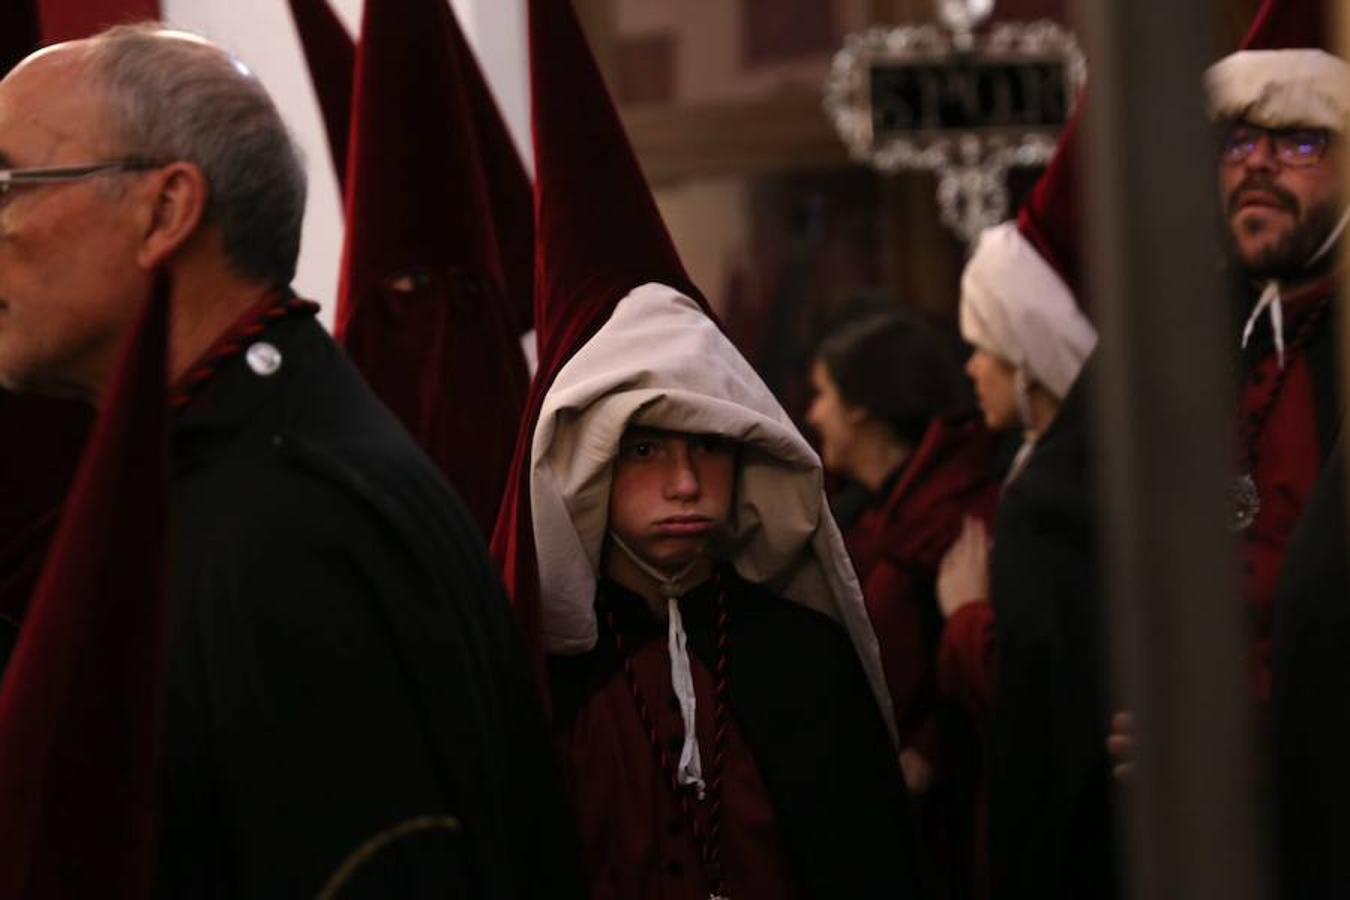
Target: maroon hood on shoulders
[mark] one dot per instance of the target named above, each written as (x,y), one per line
(949,476)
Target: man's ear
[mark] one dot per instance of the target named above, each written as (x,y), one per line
(175,198)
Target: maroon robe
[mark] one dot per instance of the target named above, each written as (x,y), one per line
(1289,455)
(967,662)
(635,838)
(814,804)
(896,547)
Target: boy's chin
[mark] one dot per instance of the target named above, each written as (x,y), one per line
(672,560)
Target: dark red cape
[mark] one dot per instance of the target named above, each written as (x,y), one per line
(81,704)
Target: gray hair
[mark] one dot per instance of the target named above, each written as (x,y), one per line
(174,96)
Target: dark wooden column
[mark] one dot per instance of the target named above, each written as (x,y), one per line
(1165,433)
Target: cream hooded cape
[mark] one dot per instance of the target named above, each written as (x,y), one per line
(661,362)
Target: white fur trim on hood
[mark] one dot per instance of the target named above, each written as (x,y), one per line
(661,362)
(1015,306)
(1303,88)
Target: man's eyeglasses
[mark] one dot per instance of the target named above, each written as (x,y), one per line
(12,178)
(1296,147)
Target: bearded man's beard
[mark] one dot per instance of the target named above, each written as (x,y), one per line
(1290,257)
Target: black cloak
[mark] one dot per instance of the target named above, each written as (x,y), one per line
(344,663)
(1050,803)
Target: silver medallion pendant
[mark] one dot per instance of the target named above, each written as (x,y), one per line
(1244,503)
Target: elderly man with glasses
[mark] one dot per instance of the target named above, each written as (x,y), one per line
(350,711)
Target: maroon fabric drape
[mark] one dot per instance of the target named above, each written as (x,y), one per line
(81,705)
(422,307)
(42,438)
(897,546)
(39,451)
(330,55)
(1051,218)
(65,20)
(598,236)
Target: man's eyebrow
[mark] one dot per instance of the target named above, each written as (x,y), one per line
(5,161)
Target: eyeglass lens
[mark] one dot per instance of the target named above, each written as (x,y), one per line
(1292,147)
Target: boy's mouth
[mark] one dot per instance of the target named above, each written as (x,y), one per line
(683,526)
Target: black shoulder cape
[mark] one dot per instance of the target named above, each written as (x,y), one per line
(1051,822)
(345,671)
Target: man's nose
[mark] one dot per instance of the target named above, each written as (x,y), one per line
(1262,158)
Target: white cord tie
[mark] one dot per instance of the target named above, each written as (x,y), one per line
(690,769)
(689,772)
(1270,300)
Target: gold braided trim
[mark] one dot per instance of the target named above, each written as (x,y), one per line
(367,851)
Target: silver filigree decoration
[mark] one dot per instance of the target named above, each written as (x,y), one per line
(962,17)
(971,165)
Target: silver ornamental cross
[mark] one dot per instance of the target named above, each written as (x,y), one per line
(967,106)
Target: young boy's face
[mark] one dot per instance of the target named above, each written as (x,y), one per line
(670,493)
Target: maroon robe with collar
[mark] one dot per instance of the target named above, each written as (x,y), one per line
(1290,449)
(896,546)
(815,808)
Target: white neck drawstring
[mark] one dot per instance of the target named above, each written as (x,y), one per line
(1272,301)
(689,771)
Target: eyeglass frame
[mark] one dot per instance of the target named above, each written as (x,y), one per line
(47,175)
(1275,136)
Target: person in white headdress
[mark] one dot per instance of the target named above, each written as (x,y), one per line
(1030,341)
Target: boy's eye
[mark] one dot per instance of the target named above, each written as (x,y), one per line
(711,444)
(640,449)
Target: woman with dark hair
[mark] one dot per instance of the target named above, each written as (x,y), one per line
(895,419)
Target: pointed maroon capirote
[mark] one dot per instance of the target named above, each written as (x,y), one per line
(81,705)
(330,55)
(66,20)
(597,229)
(422,307)
(508,186)
(1290,24)
(598,235)
(1051,219)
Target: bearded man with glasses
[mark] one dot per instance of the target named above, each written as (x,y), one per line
(1285,114)
(1282,114)
(350,711)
